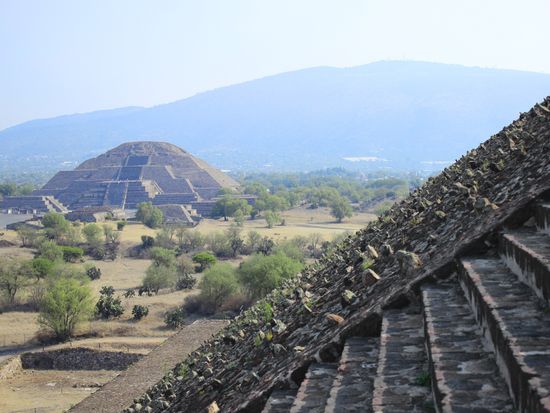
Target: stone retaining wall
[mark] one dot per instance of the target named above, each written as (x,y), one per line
(78,359)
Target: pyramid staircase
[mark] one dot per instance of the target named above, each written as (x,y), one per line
(478,341)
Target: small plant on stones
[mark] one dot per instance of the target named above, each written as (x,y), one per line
(140,311)
(423,379)
(175,318)
(267,312)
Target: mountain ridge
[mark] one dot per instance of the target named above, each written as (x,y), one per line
(401,111)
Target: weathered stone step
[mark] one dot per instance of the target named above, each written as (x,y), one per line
(527,254)
(353,387)
(314,391)
(280,401)
(465,377)
(516,327)
(400,384)
(542,216)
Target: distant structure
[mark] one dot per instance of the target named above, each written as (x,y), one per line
(127,175)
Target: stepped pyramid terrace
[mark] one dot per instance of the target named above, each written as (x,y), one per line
(440,305)
(127,175)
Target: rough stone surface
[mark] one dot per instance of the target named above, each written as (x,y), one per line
(438,222)
(402,361)
(353,388)
(78,359)
(280,401)
(516,326)
(465,376)
(527,253)
(314,392)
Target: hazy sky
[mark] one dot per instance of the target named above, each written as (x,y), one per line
(60,57)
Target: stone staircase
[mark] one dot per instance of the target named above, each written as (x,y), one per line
(478,341)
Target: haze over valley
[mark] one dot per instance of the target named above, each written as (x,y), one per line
(398,115)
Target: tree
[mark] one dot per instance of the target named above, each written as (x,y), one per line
(42,267)
(111,236)
(27,235)
(228,205)
(72,254)
(165,237)
(93,234)
(147,241)
(157,277)
(56,226)
(175,318)
(218,243)
(314,241)
(253,241)
(50,251)
(14,275)
(217,285)
(192,241)
(8,189)
(262,273)
(149,215)
(204,259)
(163,257)
(273,203)
(271,218)
(340,208)
(184,271)
(66,303)
(236,243)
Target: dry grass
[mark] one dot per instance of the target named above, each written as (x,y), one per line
(53,391)
(48,391)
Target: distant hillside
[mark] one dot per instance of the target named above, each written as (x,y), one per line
(406,115)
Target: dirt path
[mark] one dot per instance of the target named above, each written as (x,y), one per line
(134,382)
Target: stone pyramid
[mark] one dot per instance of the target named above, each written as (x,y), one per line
(135,172)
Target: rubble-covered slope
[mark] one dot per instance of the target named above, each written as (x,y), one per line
(340,296)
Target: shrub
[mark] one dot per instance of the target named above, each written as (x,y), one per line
(93,273)
(163,257)
(66,303)
(260,273)
(150,215)
(120,225)
(108,305)
(50,251)
(271,218)
(175,318)
(218,243)
(42,267)
(130,292)
(147,241)
(140,311)
(157,277)
(56,226)
(204,259)
(185,282)
(72,254)
(217,285)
